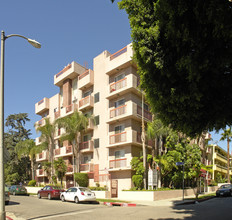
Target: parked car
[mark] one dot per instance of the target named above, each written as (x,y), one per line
(17,190)
(78,194)
(51,192)
(224,190)
(7,195)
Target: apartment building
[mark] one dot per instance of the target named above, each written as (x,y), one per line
(110,93)
(217,157)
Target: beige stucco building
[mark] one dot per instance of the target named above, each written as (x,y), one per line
(110,93)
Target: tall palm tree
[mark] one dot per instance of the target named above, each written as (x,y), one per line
(74,126)
(156,131)
(227,135)
(60,169)
(28,148)
(47,136)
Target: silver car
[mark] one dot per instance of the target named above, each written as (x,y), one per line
(78,194)
(7,195)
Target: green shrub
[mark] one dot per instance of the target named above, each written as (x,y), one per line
(95,188)
(82,179)
(138,181)
(32,183)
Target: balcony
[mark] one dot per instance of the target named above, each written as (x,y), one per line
(38,141)
(118,164)
(70,169)
(147,142)
(146,114)
(86,79)
(123,138)
(120,59)
(42,156)
(86,146)
(88,167)
(220,157)
(42,106)
(123,86)
(65,111)
(71,71)
(86,103)
(220,168)
(63,151)
(41,173)
(40,123)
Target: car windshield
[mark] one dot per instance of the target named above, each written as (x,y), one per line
(56,187)
(225,186)
(85,190)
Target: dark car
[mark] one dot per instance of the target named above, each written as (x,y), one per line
(51,192)
(224,190)
(17,190)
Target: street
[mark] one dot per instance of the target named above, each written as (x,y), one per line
(33,208)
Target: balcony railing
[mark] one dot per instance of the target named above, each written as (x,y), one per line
(86,73)
(57,151)
(118,85)
(84,101)
(139,139)
(146,113)
(87,145)
(118,163)
(86,167)
(118,53)
(63,151)
(41,172)
(118,138)
(69,168)
(57,114)
(118,111)
(63,70)
(66,110)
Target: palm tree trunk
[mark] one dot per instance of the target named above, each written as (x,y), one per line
(32,169)
(228,160)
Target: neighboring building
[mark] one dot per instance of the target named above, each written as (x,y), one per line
(109,92)
(217,157)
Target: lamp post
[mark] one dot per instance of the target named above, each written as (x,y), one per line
(2,181)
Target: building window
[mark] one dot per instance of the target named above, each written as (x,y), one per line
(96,143)
(119,154)
(119,77)
(97,120)
(119,129)
(119,103)
(96,97)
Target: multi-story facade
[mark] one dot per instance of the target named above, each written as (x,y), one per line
(110,93)
(217,157)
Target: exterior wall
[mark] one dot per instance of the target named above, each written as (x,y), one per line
(74,82)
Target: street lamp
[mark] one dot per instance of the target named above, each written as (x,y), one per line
(2,181)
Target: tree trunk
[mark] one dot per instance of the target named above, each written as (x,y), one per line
(32,169)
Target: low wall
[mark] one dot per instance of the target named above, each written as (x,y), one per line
(136,195)
(31,189)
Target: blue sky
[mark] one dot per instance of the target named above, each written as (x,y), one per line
(68,31)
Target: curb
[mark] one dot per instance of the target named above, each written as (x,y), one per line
(195,201)
(119,204)
(9,218)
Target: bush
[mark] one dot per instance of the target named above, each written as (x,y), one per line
(95,188)
(138,181)
(32,183)
(82,179)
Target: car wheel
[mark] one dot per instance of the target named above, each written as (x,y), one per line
(76,200)
(49,196)
(230,193)
(6,202)
(62,199)
(39,196)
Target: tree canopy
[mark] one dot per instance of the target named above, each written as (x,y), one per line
(183,50)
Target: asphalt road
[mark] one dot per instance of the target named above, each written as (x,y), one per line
(33,208)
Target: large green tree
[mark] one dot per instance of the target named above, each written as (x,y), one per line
(183,50)
(28,148)
(16,169)
(60,169)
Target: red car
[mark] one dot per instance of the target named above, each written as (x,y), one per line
(51,192)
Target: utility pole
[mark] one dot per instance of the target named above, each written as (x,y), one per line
(144,146)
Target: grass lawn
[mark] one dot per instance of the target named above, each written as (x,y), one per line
(200,197)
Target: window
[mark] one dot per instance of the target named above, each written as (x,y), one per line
(87,159)
(96,97)
(117,78)
(97,120)
(119,129)
(96,143)
(87,138)
(119,103)
(119,154)
(145,106)
(87,93)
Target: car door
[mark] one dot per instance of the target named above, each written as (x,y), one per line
(67,194)
(73,194)
(48,190)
